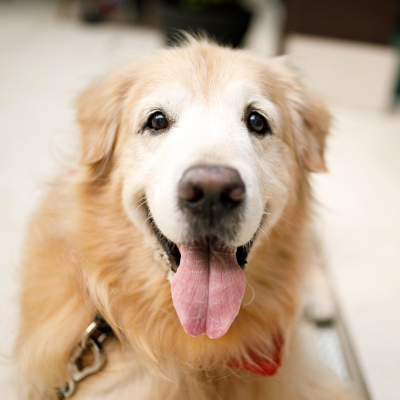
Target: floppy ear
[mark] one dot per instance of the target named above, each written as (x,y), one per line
(310,118)
(310,138)
(99,116)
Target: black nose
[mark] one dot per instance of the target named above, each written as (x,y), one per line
(210,190)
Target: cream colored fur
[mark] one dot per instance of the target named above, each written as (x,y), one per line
(90,248)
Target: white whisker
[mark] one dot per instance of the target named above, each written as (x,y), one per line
(254,294)
(140,205)
(262,230)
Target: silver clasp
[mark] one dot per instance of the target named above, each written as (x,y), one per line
(91,340)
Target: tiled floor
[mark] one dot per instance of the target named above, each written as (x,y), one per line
(46,61)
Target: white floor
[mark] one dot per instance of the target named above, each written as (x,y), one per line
(45,61)
(360,200)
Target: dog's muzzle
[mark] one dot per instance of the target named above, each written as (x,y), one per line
(212,198)
(209,282)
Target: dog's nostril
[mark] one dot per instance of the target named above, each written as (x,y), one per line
(198,194)
(234,194)
(189,192)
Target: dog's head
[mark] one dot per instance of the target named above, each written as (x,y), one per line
(209,147)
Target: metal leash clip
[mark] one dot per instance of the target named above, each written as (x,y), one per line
(91,340)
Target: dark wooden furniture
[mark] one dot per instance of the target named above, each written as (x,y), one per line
(372,21)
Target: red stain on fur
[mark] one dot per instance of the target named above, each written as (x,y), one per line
(261,366)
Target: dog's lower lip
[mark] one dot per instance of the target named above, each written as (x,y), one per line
(174,256)
(171,250)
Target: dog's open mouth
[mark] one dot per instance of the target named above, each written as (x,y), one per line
(208,285)
(174,255)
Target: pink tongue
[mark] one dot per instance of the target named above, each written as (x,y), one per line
(207,289)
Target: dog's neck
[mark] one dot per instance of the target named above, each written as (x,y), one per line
(88,357)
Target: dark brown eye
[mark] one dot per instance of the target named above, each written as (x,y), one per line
(157,121)
(258,124)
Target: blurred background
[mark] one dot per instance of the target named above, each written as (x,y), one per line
(347,50)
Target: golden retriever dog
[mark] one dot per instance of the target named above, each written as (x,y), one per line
(169,262)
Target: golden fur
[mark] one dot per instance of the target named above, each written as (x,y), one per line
(84,255)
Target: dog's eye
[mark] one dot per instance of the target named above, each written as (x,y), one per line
(157,121)
(258,124)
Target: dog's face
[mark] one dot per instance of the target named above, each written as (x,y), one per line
(203,164)
(209,145)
